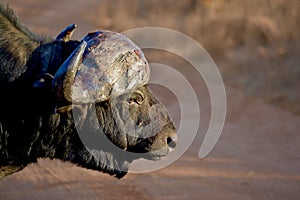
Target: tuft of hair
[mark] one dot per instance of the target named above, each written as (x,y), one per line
(17,43)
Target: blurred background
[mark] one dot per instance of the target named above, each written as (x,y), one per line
(254,43)
(256,46)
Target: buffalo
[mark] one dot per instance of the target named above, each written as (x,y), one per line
(86,102)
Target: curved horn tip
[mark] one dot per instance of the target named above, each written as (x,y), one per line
(66,34)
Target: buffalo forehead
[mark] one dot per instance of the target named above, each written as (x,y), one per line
(111,64)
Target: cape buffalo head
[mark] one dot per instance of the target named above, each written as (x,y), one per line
(117,117)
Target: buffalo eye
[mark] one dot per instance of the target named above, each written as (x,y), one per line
(135,99)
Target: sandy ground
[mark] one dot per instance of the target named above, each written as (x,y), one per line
(257,156)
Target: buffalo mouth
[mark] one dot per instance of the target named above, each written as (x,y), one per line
(157,155)
(158,146)
(163,152)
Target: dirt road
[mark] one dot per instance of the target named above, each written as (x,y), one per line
(257,156)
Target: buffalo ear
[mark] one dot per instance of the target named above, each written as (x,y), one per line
(65,75)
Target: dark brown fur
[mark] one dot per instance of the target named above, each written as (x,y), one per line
(30,128)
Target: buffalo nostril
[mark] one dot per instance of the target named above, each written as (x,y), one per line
(171,141)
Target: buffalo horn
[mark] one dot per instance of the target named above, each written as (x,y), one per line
(66,34)
(65,75)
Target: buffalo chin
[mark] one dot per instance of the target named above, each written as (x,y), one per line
(103,161)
